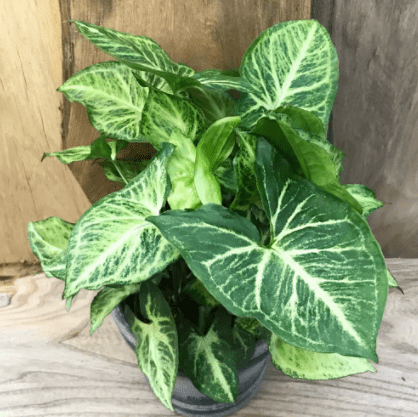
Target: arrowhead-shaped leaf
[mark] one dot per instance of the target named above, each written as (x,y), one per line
(303,364)
(320,284)
(209,360)
(365,196)
(218,78)
(307,157)
(48,240)
(196,290)
(292,62)
(244,345)
(106,300)
(138,52)
(156,342)
(214,147)
(112,243)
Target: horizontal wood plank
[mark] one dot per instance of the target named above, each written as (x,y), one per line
(51,366)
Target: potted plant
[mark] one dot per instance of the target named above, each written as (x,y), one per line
(238,233)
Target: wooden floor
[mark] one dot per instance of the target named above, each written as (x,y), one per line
(50,366)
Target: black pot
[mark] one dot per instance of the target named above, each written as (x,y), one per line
(188,401)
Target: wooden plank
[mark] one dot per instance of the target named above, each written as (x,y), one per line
(375,116)
(199,33)
(30,61)
(52,366)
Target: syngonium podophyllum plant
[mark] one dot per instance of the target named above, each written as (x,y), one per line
(238,229)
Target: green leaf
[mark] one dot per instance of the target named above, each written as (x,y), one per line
(156,342)
(307,157)
(196,290)
(218,78)
(138,52)
(252,326)
(209,360)
(112,243)
(365,196)
(212,150)
(106,300)
(226,177)
(48,241)
(323,265)
(113,98)
(164,114)
(214,103)
(123,171)
(245,173)
(244,345)
(303,364)
(391,279)
(180,169)
(100,148)
(293,63)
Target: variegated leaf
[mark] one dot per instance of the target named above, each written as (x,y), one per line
(244,345)
(196,290)
(48,241)
(156,342)
(303,364)
(123,171)
(100,148)
(112,243)
(293,62)
(218,78)
(138,52)
(310,159)
(106,300)
(214,147)
(365,196)
(320,284)
(227,177)
(209,360)
(245,174)
(253,326)
(113,98)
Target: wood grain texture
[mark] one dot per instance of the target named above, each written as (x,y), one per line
(200,33)
(375,116)
(50,366)
(30,65)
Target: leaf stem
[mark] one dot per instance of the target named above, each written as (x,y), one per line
(120,173)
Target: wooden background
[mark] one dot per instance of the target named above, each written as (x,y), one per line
(374,119)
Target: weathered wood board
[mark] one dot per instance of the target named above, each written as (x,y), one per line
(51,366)
(375,116)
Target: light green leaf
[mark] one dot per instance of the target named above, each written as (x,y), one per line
(180,169)
(365,196)
(306,157)
(245,173)
(323,265)
(112,243)
(113,98)
(138,52)
(213,149)
(303,364)
(106,300)
(293,62)
(164,114)
(48,241)
(253,326)
(391,279)
(156,342)
(100,148)
(218,78)
(209,360)
(123,171)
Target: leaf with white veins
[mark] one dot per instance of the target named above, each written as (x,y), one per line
(320,284)
(156,342)
(112,243)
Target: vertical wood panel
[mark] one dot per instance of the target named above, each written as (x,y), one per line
(202,34)
(375,116)
(30,72)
